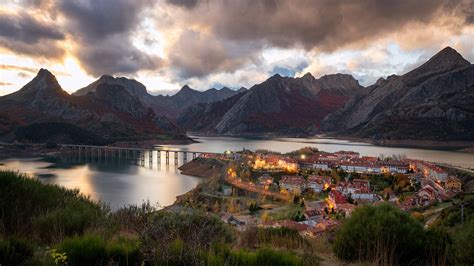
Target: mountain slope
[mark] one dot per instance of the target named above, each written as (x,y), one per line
(169,106)
(433,102)
(110,112)
(280,105)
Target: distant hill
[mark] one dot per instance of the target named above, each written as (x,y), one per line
(280,105)
(432,102)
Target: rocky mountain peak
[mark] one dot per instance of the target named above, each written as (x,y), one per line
(448,57)
(132,86)
(339,80)
(44,81)
(445,60)
(186,90)
(308,76)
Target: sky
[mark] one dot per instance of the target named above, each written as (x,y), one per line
(166,44)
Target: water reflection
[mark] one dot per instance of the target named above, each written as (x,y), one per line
(117,183)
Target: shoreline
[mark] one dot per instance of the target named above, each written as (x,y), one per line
(460,146)
(25,150)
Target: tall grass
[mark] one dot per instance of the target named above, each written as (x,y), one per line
(29,208)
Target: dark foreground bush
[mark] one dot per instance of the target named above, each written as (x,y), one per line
(463,247)
(180,238)
(15,251)
(383,234)
(223,255)
(32,209)
(92,249)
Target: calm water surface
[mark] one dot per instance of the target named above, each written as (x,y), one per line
(121,183)
(219,144)
(116,184)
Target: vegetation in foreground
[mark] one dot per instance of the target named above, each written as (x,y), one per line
(48,225)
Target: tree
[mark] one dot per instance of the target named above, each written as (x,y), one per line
(381,234)
(296,199)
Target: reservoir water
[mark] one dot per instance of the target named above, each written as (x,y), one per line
(119,183)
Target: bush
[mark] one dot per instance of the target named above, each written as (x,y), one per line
(74,218)
(463,245)
(43,209)
(92,249)
(223,255)
(16,251)
(276,237)
(178,238)
(382,234)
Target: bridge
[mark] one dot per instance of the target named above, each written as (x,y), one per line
(135,154)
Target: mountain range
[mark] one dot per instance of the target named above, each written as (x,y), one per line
(170,106)
(280,105)
(433,102)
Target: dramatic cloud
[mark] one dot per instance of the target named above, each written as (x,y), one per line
(323,26)
(197,54)
(233,43)
(24,34)
(102,30)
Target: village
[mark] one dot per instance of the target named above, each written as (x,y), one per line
(313,191)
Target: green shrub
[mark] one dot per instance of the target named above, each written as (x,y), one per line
(16,251)
(92,249)
(84,250)
(74,218)
(463,245)
(49,208)
(124,251)
(178,238)
(383,234)
(223,255)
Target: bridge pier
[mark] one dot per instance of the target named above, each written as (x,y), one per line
(108,154)
(150,158)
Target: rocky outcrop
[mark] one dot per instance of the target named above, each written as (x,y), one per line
(433,102)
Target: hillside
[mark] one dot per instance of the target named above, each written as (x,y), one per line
(432,102)
(169,106)
(279,105)
(110,112)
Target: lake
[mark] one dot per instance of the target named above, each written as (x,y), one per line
(220,144)
(120,183)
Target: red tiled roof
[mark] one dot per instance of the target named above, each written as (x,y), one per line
(337,197)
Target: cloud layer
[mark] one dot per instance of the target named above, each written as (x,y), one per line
(202,41)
